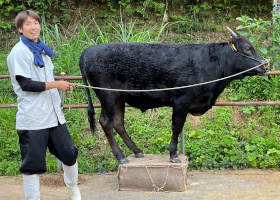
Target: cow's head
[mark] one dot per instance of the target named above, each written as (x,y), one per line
(247,55)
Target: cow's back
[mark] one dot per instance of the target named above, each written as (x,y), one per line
(142,66)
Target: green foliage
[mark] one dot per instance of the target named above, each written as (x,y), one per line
(197,15)
(8,7)
(155,6)
(127,33)
(219,144)
(67,51)
(6,26)
(184,27)
(275,48)
(11,8)
(10,153)
(257,31)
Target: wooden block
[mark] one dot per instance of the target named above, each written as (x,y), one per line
(153,173)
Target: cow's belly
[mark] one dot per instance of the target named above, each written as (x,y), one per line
(202,106)
(145,102)
(199,111)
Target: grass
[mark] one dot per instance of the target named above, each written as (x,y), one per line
(225,137)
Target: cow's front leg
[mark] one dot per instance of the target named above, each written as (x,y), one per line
(178,120)
(107,126)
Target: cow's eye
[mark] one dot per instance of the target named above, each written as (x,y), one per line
(248,50)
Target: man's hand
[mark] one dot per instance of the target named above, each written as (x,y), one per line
(60,85)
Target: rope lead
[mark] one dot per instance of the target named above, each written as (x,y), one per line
(266,61)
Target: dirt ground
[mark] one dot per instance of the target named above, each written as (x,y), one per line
(208,185)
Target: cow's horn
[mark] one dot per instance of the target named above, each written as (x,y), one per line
(233,34)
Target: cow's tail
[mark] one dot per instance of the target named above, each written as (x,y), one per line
(91,112)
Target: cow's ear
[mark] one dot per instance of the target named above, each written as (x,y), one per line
(233,35)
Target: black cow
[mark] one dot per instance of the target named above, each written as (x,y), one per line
(139,66)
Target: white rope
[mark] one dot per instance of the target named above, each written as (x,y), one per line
(122,168)
(154,185)
(174,88)
(69,92)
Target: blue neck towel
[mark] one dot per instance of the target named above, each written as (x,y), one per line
(37,49)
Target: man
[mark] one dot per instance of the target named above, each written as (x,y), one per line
(40,122)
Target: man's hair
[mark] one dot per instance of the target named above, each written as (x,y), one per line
(21,17)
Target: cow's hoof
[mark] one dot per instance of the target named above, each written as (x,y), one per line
(175,160)
(123,161)
(139,155)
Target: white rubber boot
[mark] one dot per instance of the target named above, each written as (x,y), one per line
(31,186)
(71,181)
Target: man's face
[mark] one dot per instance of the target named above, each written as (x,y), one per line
(31,29)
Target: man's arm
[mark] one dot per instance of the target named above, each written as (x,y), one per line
(27,84)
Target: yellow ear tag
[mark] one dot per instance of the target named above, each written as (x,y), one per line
(233,47)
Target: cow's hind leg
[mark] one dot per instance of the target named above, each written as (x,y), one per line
(119,127)
(106,121)
(178,119)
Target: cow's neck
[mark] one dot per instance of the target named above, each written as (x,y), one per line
(225,65)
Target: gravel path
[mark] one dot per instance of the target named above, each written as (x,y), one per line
(208,185)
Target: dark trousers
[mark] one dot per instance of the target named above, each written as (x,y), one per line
(34,143)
